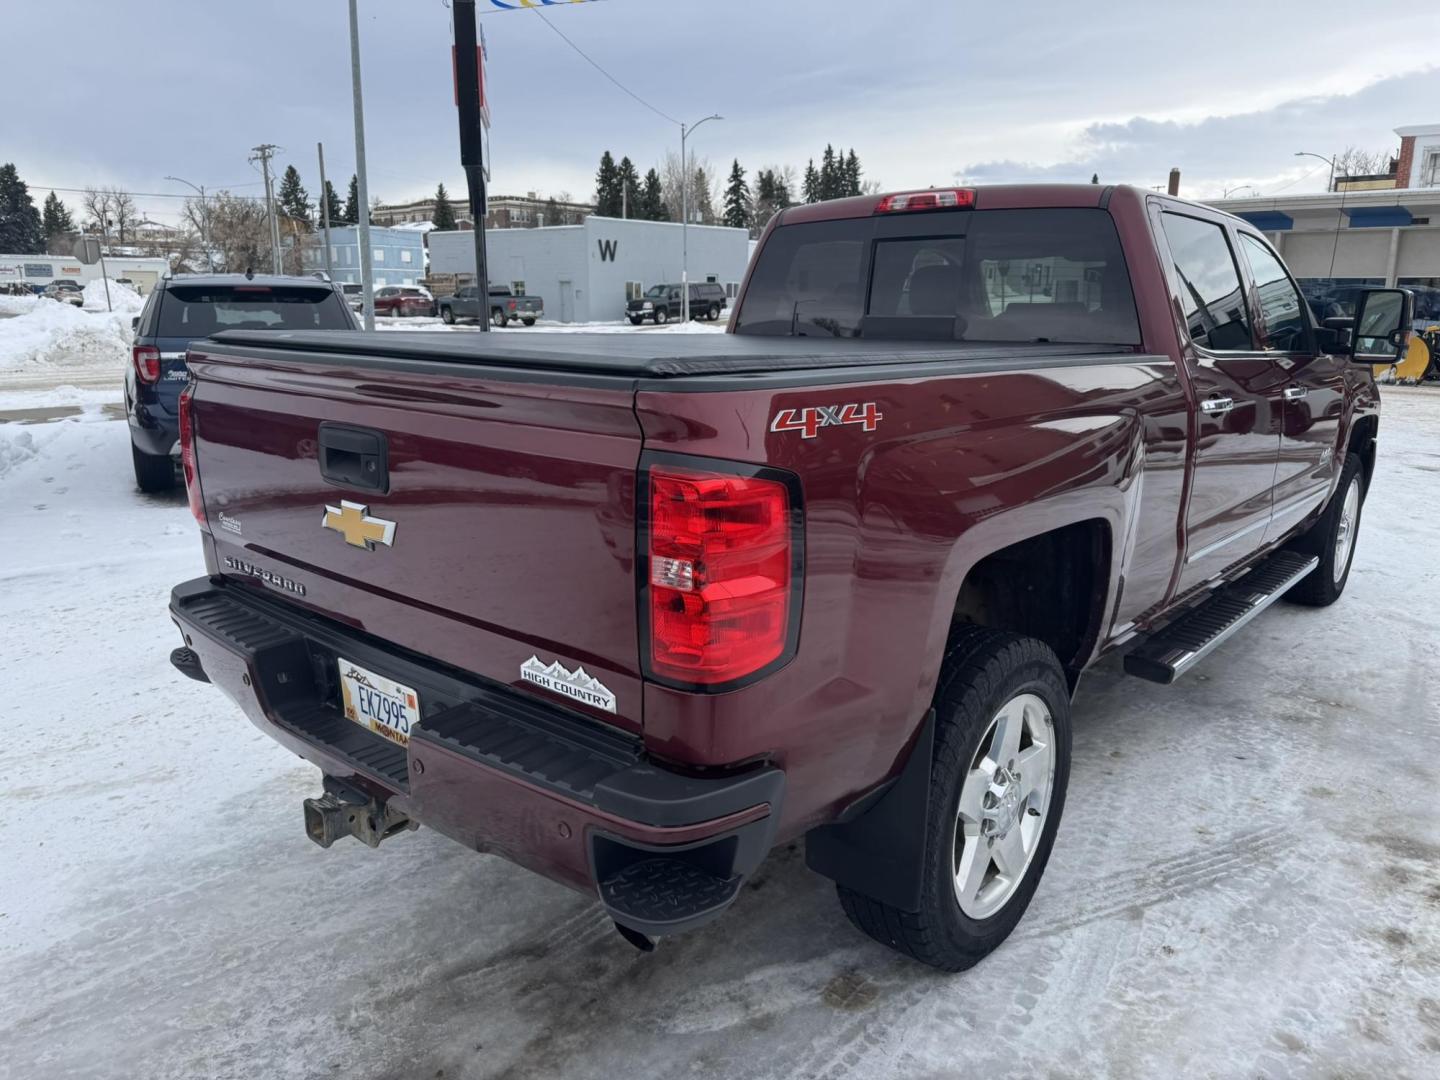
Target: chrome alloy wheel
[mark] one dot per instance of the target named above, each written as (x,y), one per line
(1345,530)
(1004,800)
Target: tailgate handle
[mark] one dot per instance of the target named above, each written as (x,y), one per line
(354,457)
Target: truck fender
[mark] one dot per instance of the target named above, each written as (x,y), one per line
(877,847)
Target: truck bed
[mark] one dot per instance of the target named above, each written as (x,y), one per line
(646,356)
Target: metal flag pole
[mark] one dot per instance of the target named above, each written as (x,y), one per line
(367,276)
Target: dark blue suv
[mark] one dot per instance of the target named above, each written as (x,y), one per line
(192,306)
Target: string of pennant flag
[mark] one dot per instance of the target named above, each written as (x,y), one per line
(512,5)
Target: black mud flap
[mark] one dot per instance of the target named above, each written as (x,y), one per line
(878,848)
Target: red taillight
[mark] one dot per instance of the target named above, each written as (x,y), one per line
(722,566)
(944,199)
(187,457)
(512,305)
(146,359)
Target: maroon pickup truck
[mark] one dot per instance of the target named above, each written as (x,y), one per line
(631,610)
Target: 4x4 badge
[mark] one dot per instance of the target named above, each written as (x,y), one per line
(809,420)
(353,521)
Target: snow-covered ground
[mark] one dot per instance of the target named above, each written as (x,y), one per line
(1246,883)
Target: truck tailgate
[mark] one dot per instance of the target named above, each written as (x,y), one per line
(511,497)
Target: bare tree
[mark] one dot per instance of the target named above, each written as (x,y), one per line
(110,210)
(1354,161)
(239,231)
(699,175)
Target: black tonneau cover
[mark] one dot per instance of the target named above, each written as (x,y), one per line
(641,354)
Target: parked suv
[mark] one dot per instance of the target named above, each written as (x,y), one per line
(67,292)
(183,309)
(402,300)
(661,303)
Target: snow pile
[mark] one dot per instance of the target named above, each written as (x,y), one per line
(14,449)
(17,305)
(122,297)
(55,335)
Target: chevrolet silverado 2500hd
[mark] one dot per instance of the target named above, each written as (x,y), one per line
(629,611)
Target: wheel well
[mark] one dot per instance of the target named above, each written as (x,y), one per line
(1050,587)
(1362,442)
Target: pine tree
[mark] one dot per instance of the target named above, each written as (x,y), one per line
(1094,178)
(830,180)
(810,190)
(444,215)
(627,181)
(607,187)
(350,215)
(332,200)
(852,173)
(652,198)
(703,208)
(783,198)
(552,212)
(294,199)
(20,229)
(56,219)
(739,212)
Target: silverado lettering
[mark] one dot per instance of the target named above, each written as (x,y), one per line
(1110,423)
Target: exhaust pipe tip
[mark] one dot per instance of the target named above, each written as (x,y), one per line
(643,942)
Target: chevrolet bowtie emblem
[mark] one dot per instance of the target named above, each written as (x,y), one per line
(353,521)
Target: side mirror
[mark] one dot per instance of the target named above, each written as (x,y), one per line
(135,324)
(1383,319)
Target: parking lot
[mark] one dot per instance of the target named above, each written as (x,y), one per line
(1246,882)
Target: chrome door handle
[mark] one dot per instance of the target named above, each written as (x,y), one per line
(1217,405)
(1295,393)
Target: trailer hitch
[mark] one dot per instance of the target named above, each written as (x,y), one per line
(343,811)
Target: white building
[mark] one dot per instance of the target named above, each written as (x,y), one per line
(41,270)
(586,272)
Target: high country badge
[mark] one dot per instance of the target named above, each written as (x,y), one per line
(578,685)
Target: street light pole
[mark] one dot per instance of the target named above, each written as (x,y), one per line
(204,220)
(367,275)
(1330,186)
(685,218)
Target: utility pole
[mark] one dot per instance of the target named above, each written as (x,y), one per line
(325,209)
(263,154)
(367,274)
(685,181)
(467,102)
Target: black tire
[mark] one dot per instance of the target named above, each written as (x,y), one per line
(661,316)
(635,322)
(1323,586)
(153,474)
(498,318)
(529,322)
(983,670)
(712,313)
(447,316)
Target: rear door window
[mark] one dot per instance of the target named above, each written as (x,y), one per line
(199,310)
(1209,282)
(1043,275)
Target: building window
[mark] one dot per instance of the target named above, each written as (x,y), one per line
(334,254)
(378,254)
(732,289)
(518,288)
(405,256)
(634,290)
(1430,169)
(713,279)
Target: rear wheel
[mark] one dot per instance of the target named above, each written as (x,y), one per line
(999,770)
(497,318)
(447,316)
(529,322)
(153,473)
(712,312)
(1332,538)
(661,316)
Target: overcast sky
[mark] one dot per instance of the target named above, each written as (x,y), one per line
(125,91)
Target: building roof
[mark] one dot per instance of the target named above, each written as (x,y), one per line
(1418,129)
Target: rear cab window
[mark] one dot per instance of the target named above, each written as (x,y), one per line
(1208,278)
(1024,275)
(200,310)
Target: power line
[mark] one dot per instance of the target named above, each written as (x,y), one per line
(147,194)
(597,67)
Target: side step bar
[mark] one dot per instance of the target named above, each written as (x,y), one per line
(1171,652)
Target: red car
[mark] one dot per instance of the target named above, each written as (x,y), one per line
(399,301)
(630,610)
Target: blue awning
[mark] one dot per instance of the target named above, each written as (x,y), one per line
(1378,217)
(1269,220)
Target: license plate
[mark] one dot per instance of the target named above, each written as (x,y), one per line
(378,704)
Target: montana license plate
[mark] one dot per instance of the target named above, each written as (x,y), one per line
(382,705)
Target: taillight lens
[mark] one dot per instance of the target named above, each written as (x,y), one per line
(944,199)
(723,563)
(187,457)
(146,359)
(512,305)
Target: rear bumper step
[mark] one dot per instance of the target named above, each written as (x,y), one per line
(1171,652)
(492,767)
